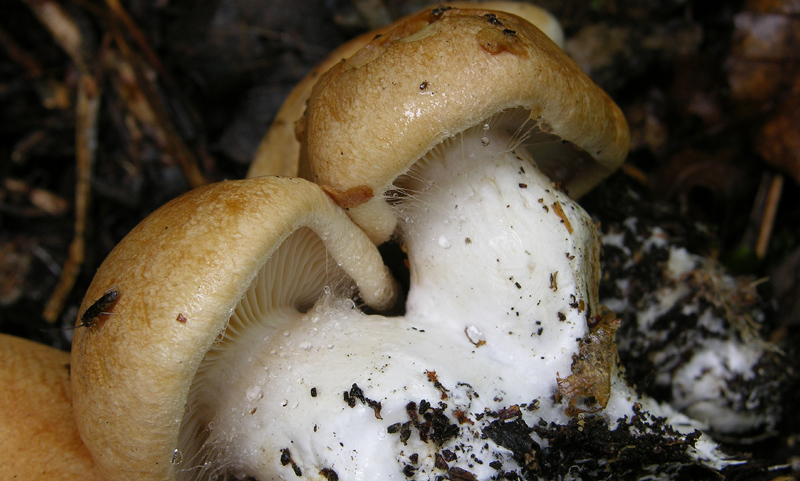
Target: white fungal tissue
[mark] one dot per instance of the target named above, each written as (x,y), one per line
(464,386)
(693,329)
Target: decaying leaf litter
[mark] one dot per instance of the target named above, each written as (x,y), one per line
(111,109)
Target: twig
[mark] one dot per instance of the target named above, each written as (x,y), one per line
(44,202)
(63,29)
(635,173)
(85,147)
(137,35)
(68,36)
(23,148)
(768,218)
(174,143)
(19,55)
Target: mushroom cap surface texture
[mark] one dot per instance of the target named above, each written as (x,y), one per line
(38,435)
(179,275)
(372,116)
(279,150)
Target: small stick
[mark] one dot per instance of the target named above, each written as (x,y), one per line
(635,173)
(19,55)
(85,146)
(63,28)
(173,143)
(768,218)
(138,36)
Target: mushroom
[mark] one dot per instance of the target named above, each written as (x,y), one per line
(279,151)
(451,70)
(455,134)
(466,138)
(203,284)
(38,435)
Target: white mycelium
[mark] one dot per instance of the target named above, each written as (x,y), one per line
(694,329)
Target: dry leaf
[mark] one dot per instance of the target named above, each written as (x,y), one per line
(590,381)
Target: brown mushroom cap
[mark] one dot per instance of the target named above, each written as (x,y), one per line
(180,274)
(279,150)
(371,117)
(38,435)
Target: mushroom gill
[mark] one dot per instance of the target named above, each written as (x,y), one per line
(203,279)
(297,274)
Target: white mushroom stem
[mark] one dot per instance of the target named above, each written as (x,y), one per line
(499,256)
(499,252)
(504,272)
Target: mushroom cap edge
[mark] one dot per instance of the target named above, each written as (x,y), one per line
(179,275)
(369,118)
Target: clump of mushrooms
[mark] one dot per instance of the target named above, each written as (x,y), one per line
(236,346)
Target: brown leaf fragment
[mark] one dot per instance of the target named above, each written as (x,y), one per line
(762,73)
(560,212)
(347,199)
(778,141)
(329,474)
(590,381)
(457,474)
(788,7)
(510,412)
(432,377)
(462,418)
(440,463)
(763,55)
(496,41)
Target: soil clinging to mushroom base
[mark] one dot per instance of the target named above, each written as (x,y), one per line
(491,326)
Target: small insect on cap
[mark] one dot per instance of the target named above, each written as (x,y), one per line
(440,73)
(181,274)
(99,309)
(39,437)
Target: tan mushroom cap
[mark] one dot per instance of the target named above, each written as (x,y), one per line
(279,150)
(38,435)
(371,117)
(180,274)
